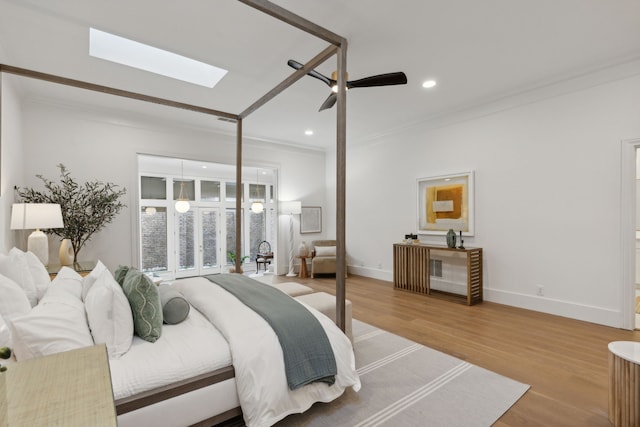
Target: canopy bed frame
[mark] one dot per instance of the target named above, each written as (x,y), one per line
(337,46)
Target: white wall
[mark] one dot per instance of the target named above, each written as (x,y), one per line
(103,144)
(11,158)
(548,208)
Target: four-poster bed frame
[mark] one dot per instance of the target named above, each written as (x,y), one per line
(337,46)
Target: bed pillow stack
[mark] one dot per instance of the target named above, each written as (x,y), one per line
(39,317)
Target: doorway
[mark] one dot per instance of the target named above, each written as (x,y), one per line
(636,300)
(200,239)
(629,220)
(199,251)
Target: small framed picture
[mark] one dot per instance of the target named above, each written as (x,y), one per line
(311,219)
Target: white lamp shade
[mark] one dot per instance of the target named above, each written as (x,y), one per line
(26,216)
(182,206)
(257,207)
(291,208)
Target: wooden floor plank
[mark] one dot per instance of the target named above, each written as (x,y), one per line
(564,360)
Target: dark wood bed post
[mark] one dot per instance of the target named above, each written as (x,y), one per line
(238,247)
(341,162)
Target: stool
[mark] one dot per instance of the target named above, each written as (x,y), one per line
(326,304)
(293,289)
(624,377)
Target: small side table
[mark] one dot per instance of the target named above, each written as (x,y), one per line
(303,267)
(82,267)
(624,383)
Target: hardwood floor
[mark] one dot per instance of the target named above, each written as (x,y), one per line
(564,360)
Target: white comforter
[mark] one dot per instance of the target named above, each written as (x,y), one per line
(183,351)
(257,356)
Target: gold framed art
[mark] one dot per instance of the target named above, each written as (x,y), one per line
(446,202)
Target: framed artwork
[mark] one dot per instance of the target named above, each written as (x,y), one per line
(446,202)
(311,219)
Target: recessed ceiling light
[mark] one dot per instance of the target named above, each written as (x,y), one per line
(308,132)
(204,166)
(428,84)
(148,58)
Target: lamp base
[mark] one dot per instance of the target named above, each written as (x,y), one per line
(291,274)
(38,243)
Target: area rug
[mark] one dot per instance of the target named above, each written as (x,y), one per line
(407,384)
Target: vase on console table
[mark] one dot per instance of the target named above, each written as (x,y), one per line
(451,238)
(66,252)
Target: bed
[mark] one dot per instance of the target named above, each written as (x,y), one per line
(245,368)
(219,361)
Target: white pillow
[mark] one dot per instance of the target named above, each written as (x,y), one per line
(13,300)
(90,279)
(109,314)
(39,273)
(15,267)
(5,334)
(69,281)
(325,251)
(57,324)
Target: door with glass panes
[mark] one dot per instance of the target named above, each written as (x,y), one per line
(198,249)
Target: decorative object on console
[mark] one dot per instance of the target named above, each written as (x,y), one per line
(291,208)
(461,242)
(446,202)
(26,216)
(86,208)
(451,238)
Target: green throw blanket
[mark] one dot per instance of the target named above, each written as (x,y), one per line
(306,349)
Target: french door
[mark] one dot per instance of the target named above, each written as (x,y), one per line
(198,242)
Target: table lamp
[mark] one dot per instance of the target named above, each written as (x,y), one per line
(26,216)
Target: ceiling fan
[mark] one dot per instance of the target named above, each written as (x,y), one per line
(388,79)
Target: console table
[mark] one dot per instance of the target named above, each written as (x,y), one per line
(71,389)
(411,270)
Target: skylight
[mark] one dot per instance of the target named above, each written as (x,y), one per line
(148,58)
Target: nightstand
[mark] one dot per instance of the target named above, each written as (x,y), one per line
(71,389)
(82,267)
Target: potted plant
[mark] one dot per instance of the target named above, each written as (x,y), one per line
(86,208)
(231,255)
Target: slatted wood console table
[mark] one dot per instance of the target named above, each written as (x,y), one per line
(411,270)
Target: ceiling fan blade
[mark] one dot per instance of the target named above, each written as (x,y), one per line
(329,102)
(313,73)
(388,79)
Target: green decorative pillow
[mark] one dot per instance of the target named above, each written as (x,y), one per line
(145,305)
(175,307)
(120,274)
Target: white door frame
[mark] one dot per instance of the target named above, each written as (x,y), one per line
(628,230)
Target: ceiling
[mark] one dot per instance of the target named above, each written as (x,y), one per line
(477,51)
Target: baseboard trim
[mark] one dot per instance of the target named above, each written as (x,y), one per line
(373,273)
(587,313)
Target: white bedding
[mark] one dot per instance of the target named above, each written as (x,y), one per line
(257,356)
(185,350)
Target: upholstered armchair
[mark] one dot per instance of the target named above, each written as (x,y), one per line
(323,257)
